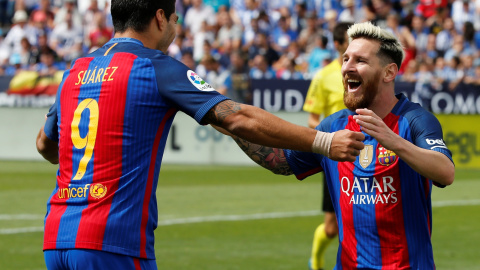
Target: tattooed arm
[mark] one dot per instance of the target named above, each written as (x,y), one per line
(260,127)
(272,159)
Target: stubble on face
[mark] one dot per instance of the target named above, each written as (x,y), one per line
(355,100)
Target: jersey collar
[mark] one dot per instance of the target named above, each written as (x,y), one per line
(402,100)
(124,39)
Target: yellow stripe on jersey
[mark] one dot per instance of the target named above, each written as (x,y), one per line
(110,49)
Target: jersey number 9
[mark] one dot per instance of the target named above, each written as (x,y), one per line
(87,142)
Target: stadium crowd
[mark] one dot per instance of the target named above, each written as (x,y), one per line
(228,42)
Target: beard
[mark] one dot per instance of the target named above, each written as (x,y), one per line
(354,101)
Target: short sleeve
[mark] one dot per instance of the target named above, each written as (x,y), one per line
(427,133)
(51,123)
(185,89)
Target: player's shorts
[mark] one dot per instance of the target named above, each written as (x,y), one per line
(83,259)
(327,205)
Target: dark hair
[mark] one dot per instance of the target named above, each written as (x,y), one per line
(340,30)
(469,31)
(137,14)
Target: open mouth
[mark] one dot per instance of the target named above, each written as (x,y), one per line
(353,85)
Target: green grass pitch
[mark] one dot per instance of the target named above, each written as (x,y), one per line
(230,217)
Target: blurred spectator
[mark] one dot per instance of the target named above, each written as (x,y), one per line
(262,46)
(377,11)
(298,19)
(217,76)
(454,73)
(282,35)
(431,49)
(306,39)
(468,31)
(299,57)
(445,37)
(90,21)
(436,22)
(240,81)
(440,69)
(476,17)
(410,73)
(47,65)
(475,79)
(199,17)
(68,11)
(427,8)
(43,15)
(244,14)
(7,8)
(15,65)
(100,34)
(425,85)
(462,11)
(12,42)
(250,34)
(351,13)
(404,36)
(175,49)
(265,25)
(286,69)
(456,49)
(203,37)
(320,55)
(420,33)
(260,68)
(218,4)
(328,26)
(187,59)
(67,39)
(467,65)
(323,7)
(27,53)
(228,31)
(27,5)
(43,46)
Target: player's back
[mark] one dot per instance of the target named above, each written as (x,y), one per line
(113,124)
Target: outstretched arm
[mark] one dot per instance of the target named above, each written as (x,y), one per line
(272,159)
(433,165)
(257,126)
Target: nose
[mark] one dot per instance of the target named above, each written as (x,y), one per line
(347,66)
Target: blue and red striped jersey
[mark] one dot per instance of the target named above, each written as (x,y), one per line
(111,119)
(383,206)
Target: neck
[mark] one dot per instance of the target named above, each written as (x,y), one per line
(384,102)
(145,38)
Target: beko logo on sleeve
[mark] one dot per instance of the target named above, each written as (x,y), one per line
(437,143)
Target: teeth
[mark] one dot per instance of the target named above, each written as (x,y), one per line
(353,81)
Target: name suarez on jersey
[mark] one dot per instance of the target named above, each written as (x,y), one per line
(96,75)
(369,190)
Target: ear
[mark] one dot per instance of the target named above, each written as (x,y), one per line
(159,18)
(390,72)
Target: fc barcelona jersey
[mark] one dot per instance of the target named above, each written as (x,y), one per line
(111,119)
(383,206)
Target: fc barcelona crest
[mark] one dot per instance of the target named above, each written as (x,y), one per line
(386,157)
(366,156)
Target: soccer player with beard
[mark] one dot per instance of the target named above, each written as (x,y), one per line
(382,200)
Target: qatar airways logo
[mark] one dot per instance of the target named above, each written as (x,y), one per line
(369,190)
